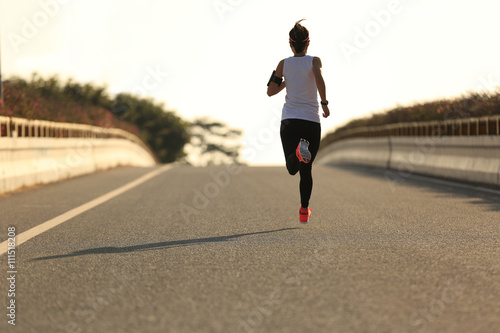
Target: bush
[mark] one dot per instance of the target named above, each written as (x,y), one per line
(471,105)
(49,99)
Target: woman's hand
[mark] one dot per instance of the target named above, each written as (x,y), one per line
(326,111)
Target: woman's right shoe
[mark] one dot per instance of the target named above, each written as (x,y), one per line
(302,151)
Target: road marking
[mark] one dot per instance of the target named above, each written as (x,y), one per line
(35,231)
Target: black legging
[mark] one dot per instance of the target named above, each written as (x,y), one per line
(292,130)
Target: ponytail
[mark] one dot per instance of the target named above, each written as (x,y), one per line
(299,36)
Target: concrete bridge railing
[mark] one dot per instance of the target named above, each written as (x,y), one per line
(463,149)
(38,152)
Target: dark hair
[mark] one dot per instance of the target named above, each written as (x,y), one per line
(299,36)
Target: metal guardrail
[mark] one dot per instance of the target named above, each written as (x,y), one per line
(456,127)
(24,128)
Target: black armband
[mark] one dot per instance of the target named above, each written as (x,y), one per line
(275,79)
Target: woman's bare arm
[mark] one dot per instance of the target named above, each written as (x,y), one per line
(273,87)
(320,83)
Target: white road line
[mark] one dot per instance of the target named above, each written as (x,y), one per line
(35,231)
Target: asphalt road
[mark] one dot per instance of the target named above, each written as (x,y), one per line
(218,250)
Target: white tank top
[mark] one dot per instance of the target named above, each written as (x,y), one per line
(301,100)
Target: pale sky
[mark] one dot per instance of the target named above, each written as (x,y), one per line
(214,57)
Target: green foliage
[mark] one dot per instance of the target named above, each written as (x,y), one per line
(165,132)
(49,99)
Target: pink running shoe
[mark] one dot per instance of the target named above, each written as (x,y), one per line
(304,215)
(302,151)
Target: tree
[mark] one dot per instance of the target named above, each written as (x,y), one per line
(213,142)
(49,99)
(163,130)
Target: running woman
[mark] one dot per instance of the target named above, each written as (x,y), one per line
(300,122)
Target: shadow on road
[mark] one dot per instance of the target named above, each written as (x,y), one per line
(487,198)
(160,245)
